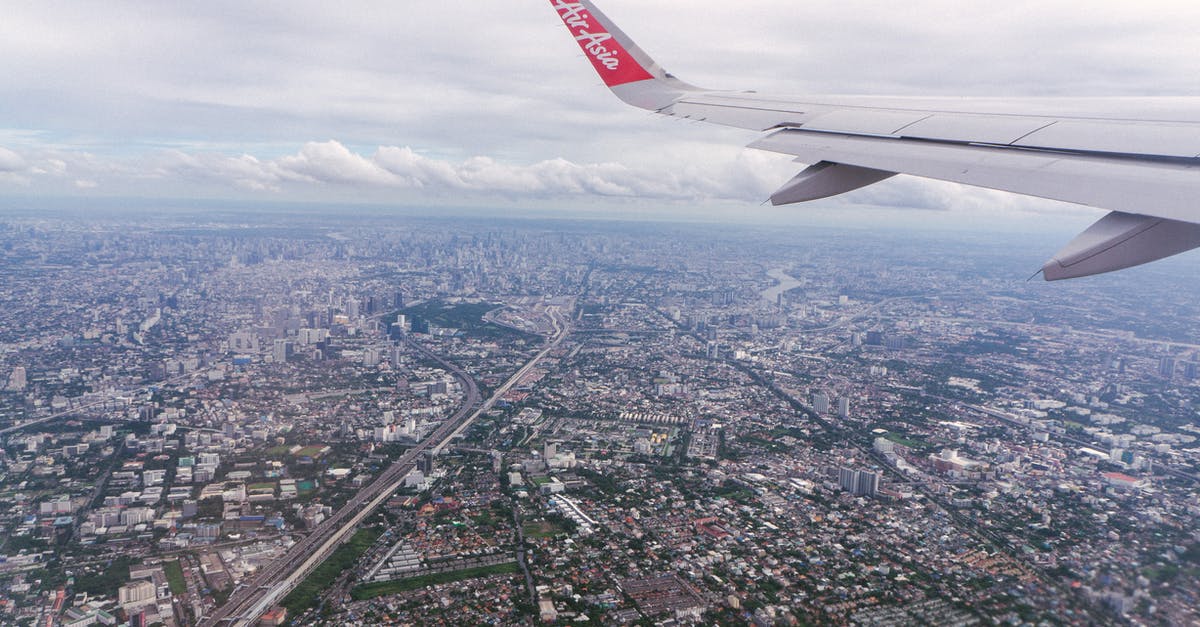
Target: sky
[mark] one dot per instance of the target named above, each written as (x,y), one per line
(491,104)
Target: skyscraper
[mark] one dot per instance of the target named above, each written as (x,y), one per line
(281,351)
(844,406)
(846,479)
(866,483)
(858,482)
(820,402)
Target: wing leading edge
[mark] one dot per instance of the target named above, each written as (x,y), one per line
(1145,171)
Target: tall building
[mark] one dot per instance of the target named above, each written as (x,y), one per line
(1166,367)
(281,351)
(16,380)
(426,466)
(844,407)
(549,450)
(866,483)
(858,482)
(136,593)
(820,402)
(243,342)
(846,479)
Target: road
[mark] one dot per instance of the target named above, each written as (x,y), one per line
(560,332)
(271,584)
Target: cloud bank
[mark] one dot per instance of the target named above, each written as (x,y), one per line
(440,102)
(748,177)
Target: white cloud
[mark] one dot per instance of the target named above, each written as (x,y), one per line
(331,163)
(10,161)
(494,99)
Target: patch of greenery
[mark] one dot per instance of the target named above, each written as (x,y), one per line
(467,317)
(1161,573)
(384,588)
(602,482)
(305,595)
(903,441)
(106,579)
(175,577)
(543,529)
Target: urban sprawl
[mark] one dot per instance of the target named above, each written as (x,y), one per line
(307,419)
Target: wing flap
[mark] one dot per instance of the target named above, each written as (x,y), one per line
(984,129)
(1158,139)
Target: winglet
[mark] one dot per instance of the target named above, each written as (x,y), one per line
(623,66)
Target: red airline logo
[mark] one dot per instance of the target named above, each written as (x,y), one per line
(610,59)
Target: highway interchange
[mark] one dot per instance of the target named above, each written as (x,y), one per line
(272,583)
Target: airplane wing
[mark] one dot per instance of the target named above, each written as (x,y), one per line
(1144,168)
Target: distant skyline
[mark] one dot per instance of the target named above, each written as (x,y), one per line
(492,105)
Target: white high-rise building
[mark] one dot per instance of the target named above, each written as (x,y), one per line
(16,380)
(281,350)
(135,594)
(844,407)
(820,402)
(858,482)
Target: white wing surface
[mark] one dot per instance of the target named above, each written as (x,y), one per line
(1138,158)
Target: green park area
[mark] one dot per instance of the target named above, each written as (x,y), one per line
(175,577)
(383,588)
(305,595)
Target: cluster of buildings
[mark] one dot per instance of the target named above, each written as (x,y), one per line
(740,427)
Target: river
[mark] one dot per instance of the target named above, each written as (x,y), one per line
(784,284)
